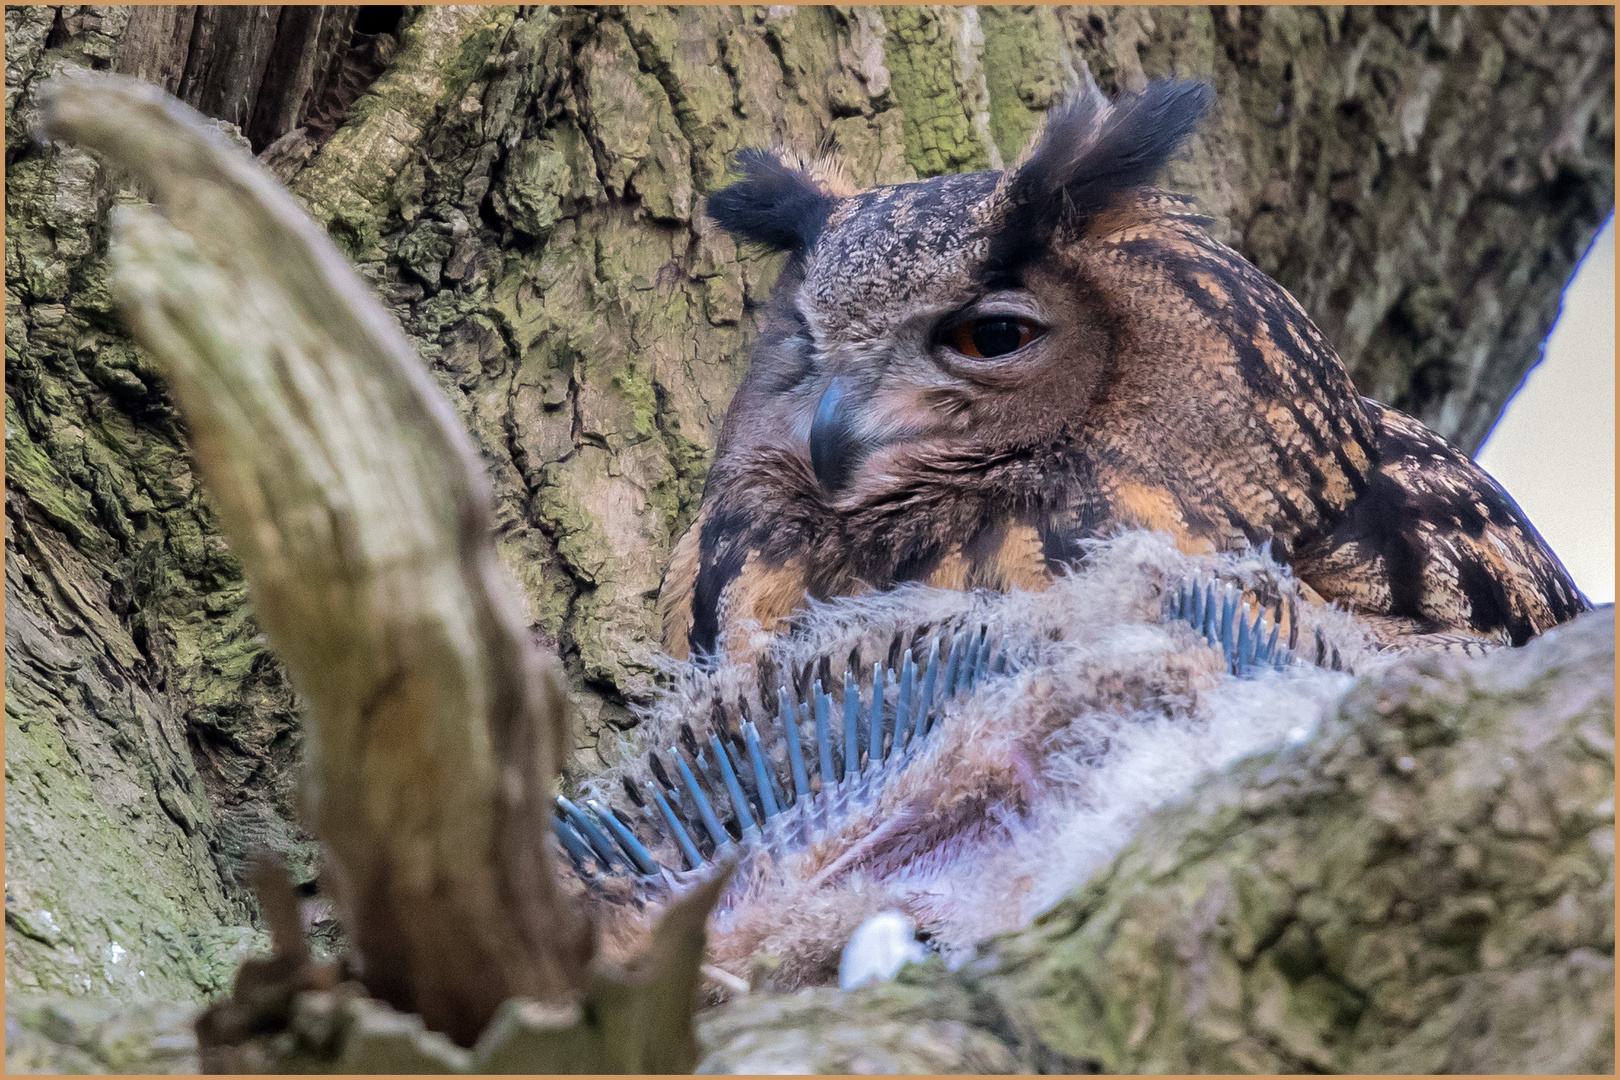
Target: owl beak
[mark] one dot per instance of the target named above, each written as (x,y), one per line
(835,449)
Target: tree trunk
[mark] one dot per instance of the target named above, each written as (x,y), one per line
(524,188)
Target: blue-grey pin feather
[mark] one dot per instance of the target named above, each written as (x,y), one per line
(761,774)
(963,663)
(639,855)
(981,663)
(771,778)
(1228,611)
(852,716)
(683,839)
(717,833)
(925,700)
(958,669)
(953,664)
(788,718)
(903,704)
(601,847)
(738,769)
(572,843)
(739,801)
(874,718)
(1240,655)
(823,709)
(607,852)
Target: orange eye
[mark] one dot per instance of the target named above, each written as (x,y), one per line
(998,335)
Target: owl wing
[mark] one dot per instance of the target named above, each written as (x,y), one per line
(675,594)
(721,587)
(1434,540)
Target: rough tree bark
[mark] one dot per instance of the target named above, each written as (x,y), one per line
(523,185)
(356,502)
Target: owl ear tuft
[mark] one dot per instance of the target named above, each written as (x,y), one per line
(773,204)
(1094,150)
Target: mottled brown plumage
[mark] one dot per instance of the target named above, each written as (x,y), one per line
(1158,380)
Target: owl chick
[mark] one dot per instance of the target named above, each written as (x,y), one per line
(963,378)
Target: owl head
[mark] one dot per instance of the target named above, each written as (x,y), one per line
(947,306)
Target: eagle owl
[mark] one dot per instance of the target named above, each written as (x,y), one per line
(963,378)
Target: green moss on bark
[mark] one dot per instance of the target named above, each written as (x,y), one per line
(1026,68)
(925,53)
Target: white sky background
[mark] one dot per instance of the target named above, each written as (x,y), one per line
(1553,448)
